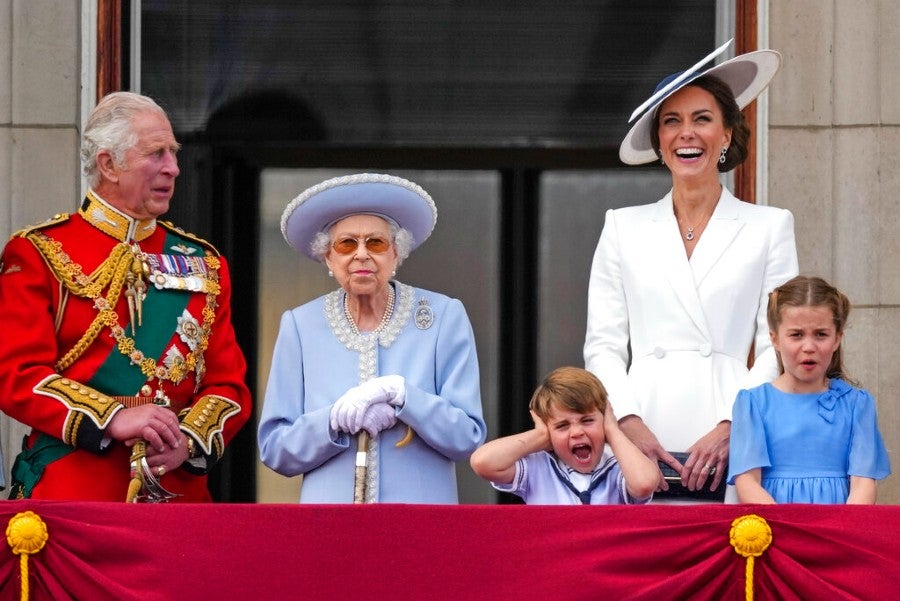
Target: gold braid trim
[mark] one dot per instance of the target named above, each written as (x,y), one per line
(169,226)
(72,426)
(206,420)
(56,219)
(71,274)
(81,400)
(111,273)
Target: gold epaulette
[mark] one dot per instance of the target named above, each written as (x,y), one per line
(171,227)
(55,220)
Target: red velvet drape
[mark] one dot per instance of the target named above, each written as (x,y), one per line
(166,552)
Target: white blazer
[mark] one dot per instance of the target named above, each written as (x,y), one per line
(690,323)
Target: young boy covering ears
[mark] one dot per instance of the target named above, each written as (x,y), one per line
(563,460)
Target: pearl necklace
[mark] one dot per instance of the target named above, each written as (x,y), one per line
(388,311)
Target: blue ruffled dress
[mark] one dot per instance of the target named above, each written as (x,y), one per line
(808,445)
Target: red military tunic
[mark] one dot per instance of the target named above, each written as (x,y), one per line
(68,348)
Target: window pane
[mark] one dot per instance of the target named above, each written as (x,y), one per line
(573,207)
(426,72)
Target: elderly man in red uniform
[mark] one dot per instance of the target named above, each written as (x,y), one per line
(118,349)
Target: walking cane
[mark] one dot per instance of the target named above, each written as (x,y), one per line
(362,452)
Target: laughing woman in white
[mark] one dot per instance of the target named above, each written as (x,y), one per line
(684,281)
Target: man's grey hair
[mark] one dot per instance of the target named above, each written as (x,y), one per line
(110,127)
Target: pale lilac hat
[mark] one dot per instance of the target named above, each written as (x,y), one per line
(388,196)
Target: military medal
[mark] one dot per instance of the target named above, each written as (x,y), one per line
(136,290)
(179,272)
(189,330)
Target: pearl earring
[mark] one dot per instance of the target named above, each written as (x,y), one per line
(330,273)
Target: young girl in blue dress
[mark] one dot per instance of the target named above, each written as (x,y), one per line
(811,435)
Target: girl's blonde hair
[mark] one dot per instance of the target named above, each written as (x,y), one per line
(811,291)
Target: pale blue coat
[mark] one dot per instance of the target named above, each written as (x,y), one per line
(312,366)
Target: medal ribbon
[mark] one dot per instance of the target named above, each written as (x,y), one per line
(162,308)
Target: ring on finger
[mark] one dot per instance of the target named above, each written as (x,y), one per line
(712,469)
(160,471)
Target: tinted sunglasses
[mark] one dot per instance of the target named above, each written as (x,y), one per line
(375,245)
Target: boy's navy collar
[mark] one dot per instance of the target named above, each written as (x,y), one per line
(563,471)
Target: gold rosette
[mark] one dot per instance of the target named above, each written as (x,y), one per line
(26,535)
(750,536)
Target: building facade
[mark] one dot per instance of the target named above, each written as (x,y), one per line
(829,131)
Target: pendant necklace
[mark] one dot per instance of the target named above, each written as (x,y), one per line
(690,231)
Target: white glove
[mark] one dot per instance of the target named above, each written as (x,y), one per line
(348,411)
(378,417)
(394,387)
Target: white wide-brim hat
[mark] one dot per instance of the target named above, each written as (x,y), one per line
(747,75)
(394,198)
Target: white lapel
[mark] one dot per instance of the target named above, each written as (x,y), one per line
(673,260)
(723,227)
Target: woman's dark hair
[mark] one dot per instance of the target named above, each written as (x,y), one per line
(732,118)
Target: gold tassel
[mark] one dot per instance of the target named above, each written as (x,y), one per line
(26,535)
(407,438)
(750,536)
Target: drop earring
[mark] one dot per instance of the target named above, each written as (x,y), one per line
(722,155)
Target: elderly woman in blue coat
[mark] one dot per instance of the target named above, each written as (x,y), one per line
(376,377)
